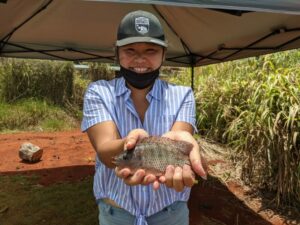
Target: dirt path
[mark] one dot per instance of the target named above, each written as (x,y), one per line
(68,156)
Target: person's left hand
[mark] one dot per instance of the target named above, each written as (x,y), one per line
(178,177)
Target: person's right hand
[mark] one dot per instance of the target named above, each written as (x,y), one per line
(133,137)
(139,176)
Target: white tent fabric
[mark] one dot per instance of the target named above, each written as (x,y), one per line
(277,6)
(198,32)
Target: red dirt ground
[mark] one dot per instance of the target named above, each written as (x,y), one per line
(68,156)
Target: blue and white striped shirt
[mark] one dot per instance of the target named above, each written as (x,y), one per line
(110,101)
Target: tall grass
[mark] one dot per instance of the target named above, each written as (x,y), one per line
(50,80)
(43,82)
(100,71)
(254,105)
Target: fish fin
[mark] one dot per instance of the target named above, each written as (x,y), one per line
(149,139)
(185,147)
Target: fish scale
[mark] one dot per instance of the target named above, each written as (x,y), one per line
(154,154)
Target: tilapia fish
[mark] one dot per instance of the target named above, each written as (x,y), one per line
(154,154)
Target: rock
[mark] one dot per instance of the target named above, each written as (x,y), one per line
(30,152)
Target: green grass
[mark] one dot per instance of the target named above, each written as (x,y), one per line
(24,202)
(54,125)
(253,105)
(34,115)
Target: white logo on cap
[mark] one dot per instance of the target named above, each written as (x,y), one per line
(142,25)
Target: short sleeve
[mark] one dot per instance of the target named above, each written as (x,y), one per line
(187,111)
(95,109)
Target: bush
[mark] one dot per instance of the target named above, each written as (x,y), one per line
(254,106)
(50,80)
(100,71)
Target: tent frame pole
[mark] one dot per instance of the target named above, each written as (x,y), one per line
(192,77)
(6,38)
(193,60)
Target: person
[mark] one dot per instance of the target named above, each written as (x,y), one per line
(119,112)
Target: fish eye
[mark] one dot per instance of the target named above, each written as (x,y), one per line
(128,155)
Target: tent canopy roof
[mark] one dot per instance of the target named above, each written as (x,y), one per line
(199,32)
(275,6)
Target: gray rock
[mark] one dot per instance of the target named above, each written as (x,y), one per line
(30,152)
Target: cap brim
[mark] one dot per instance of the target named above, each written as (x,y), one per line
(131,40)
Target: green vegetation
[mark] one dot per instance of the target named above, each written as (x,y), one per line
(44,95)
(30,114)
(25,202)
(49,80)
(252,105)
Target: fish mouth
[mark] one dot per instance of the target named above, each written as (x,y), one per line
(114,162)
(117,161)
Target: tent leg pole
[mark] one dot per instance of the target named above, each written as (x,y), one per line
(192,77)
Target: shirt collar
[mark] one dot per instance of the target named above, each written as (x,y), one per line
(156,91)
(120,86)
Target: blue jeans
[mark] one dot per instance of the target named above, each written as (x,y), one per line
(174,214)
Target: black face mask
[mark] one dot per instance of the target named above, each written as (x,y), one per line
(139,80)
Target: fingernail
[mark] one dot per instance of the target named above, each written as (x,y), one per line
(169,168)
(204,177)
(185,167)
(196,161)
(177,170)
(162,179)
(141,174)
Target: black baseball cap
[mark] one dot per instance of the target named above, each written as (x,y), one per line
(140,26)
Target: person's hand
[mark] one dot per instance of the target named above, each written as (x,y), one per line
(139,176)
(178,177)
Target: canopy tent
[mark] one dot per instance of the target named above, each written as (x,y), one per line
(199,32)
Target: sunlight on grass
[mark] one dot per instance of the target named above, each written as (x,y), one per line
(55,125)
(34,115)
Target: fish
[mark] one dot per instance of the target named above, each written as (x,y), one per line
(154,154)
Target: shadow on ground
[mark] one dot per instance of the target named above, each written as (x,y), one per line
(57,175)
(212,203)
